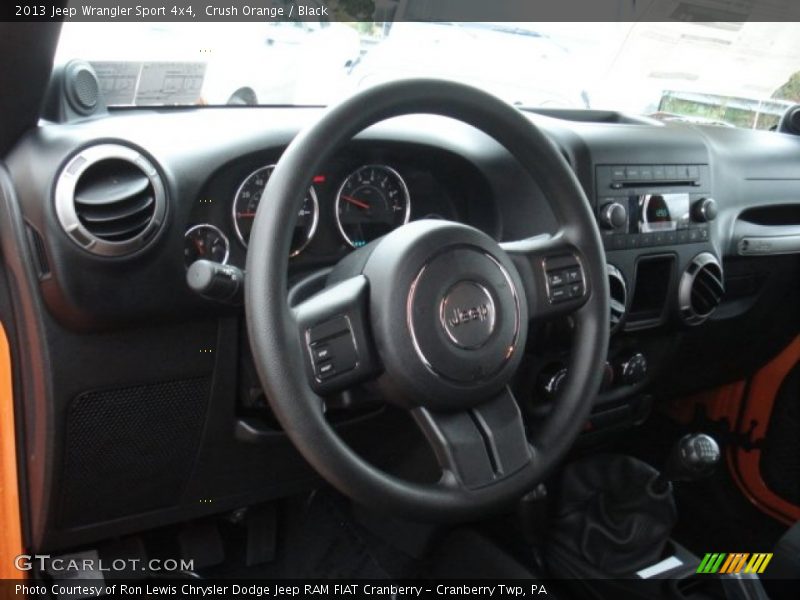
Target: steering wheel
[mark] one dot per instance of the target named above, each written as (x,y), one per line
(435,313)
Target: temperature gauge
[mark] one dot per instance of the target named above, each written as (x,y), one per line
(206,242)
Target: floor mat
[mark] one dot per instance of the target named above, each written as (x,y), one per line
(318,538)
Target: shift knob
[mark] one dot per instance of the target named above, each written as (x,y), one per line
(693,457)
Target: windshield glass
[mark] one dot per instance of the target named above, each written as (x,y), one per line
(727,74)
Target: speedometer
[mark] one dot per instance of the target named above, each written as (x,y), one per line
(246,202)
(372,201)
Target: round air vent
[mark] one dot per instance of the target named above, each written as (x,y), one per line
(700,289)
(618,296)
(110,200)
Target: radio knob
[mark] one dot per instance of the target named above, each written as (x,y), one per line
(613,216)
(704,210)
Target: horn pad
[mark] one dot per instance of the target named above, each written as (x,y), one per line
(447,314)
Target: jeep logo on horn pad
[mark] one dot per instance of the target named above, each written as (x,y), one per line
(467,314)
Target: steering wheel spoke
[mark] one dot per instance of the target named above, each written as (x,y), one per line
(336,338)
(552,272)
(479,446)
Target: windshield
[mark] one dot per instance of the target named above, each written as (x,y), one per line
(727,74)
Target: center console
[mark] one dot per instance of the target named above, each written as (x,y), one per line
(664,272)
(655,222)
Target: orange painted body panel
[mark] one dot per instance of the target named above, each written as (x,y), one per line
(11,530)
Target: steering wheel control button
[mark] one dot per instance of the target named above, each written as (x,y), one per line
(328,329)
(325,370)
(556,279)
(332,348)
(321,352)
(467,314)
(565,279)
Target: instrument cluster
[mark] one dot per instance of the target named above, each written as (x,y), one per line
(346,206)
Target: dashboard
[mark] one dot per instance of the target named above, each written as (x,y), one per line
(137,382)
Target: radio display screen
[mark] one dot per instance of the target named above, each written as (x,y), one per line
(660,212)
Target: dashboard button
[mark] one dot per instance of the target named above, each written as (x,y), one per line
(671,237)
(618,173)
(670,172)
(633,240)
(658,173)
(573,275)
(633,174)
(683,236)
(558,294)
(650,239)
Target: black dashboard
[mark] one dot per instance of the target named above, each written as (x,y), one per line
(138,382)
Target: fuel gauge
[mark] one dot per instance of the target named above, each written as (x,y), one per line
(205,242)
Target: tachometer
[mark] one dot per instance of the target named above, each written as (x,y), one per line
(206,242)
(245,204)
(372,201)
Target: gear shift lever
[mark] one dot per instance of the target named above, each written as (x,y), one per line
(615,513)
(693,457)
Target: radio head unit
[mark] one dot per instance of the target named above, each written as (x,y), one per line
(652,205)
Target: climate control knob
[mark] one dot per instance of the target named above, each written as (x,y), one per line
(704,210)
(633,369)
(613,216)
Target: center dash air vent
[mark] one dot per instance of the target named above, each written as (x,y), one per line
(701,289)
(618,296)
(110,200)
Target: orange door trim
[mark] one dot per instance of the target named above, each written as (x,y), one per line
(745,465)
(743,409)
(11,530)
